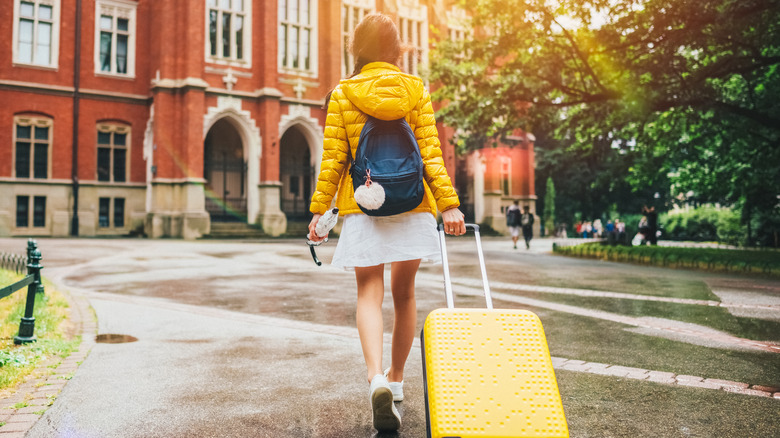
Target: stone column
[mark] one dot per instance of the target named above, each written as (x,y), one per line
(493,217)
(178,210)
(271,217)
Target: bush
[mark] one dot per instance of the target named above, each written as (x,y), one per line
(729,229)
(704,224)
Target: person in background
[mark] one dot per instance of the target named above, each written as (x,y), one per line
(620,228)
(562,230)
(527,223)
(610,226)
(652,225)
(513,222)
(644,231)
(597,228)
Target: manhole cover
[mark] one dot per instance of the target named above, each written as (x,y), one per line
(114,339)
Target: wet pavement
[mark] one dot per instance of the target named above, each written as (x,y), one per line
(252,339)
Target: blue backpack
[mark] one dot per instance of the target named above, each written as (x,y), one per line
(388,158)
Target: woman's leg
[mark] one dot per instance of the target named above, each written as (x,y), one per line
(405,323)
(371,291)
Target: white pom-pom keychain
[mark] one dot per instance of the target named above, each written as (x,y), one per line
(370,195)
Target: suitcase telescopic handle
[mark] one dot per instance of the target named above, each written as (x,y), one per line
(446,267)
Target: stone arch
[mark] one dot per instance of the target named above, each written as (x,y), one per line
(300,117)
(229,109)
(296,174)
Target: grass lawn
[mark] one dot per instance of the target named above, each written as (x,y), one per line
(715,317)
(593,340)
(18,361)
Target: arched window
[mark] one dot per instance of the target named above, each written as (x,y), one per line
(32,147)
(505,176)
(113,144)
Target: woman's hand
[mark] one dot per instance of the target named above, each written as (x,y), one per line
(312,226)
(453,222)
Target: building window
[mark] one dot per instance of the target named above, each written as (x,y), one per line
(32,140)
(457,24)
(112,146)
(105,215)
(39,211)
(412,35)
(115,37)
(457,34)
(413,28)
(119,212)
(23,211)
(297,39)
(352,12)
(505,176)
(36,32)
(229,30)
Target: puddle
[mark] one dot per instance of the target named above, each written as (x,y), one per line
(114,339)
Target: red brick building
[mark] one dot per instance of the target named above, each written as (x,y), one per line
(491,179)
(165,116)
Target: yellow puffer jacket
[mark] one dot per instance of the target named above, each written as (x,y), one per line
(382,91)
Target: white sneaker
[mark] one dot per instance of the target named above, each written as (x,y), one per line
(396,387)
(386,416)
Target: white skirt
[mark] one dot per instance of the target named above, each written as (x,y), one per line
(374,240)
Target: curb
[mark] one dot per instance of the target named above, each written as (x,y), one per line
(41,388)
(665,377)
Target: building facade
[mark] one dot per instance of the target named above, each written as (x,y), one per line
(163,117)
(493,178)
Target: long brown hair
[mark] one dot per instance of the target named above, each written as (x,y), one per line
(375,39)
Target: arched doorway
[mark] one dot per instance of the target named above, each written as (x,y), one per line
(297,175)
(225,173)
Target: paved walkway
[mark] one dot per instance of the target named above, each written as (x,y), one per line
(61,399)
(25,407)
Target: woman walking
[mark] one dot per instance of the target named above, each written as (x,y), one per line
(379,89)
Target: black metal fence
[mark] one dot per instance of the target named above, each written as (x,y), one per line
(32,280)
(13,262)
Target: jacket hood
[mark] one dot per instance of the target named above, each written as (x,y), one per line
(382,91)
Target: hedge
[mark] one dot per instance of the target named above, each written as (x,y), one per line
(709,259)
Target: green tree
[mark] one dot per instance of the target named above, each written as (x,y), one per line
(549,207)
(590,182)
(678,92)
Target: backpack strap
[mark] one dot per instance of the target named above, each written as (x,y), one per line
(350,159)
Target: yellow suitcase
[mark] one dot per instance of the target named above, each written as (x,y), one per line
(488,372)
